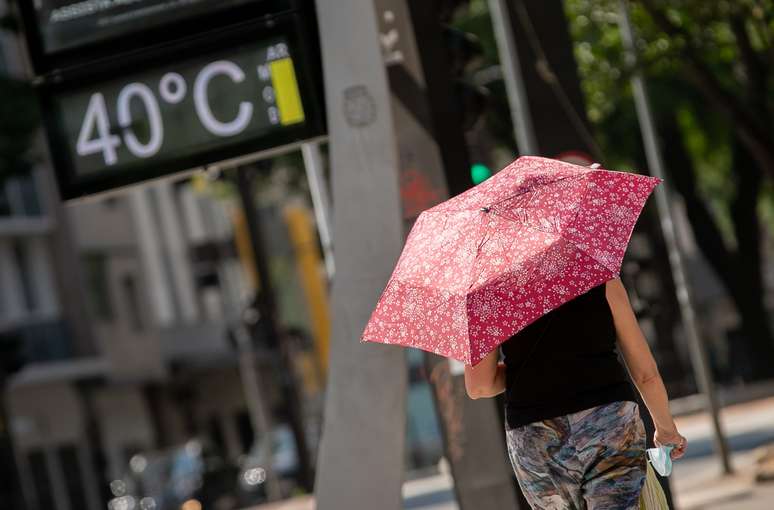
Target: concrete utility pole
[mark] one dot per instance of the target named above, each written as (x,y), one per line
(698,351)
(361,455)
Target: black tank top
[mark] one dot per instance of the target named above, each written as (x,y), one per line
(564,362)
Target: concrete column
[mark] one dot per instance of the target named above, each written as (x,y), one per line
(88,475)
(66,264)
(56,476)
(360,460)
(194,218)
(196,232)
(155,274)
(25,476)
(13,192)
(174,240)
(43,286)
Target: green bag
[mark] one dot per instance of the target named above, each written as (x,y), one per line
(652,495)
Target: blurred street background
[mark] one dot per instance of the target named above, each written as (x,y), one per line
(200,202)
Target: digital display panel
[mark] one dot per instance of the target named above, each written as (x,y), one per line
(178,116)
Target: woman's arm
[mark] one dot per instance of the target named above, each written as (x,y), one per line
(486,379)
(642,367)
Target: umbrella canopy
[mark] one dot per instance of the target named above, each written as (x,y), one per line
(481,266)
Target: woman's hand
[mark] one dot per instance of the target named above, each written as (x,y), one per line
(673,437)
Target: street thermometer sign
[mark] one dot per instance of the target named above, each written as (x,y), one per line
(199,100)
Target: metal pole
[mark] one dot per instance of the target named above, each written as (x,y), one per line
(259,418)
(699,357)
(322,212)
(514,83)
(267,309)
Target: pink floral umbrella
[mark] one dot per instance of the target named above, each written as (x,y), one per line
(483,265)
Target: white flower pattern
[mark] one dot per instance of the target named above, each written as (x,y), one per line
(481,266)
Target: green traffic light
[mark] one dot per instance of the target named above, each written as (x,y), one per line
(479,173)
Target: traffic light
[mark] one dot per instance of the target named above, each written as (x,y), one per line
(479,172)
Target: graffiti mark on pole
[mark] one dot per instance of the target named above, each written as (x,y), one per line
(359,106)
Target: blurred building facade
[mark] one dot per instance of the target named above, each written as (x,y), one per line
(162,371)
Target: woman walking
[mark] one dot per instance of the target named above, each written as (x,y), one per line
(574,434)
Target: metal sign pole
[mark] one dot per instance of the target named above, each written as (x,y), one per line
(524,132)
(698,351)
(322,210)
(256,405)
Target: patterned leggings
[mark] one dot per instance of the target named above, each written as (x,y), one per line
(592,459)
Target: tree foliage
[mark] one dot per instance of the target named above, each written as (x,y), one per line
(693,56)
(708,66)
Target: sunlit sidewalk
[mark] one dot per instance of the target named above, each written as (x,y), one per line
(697,481)
(427,493)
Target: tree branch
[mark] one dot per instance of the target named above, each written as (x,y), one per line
(756,73)
(750,131)
(704,225)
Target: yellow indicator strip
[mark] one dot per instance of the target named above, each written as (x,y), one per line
(283,78)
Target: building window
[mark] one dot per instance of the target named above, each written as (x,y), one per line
(71,467)
(97,286)
(28,192)
(5,203)
(129,286)
(19,196)
(41,480)
(21,257)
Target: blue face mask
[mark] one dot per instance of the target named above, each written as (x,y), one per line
(661,460)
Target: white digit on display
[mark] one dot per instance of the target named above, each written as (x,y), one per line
(268,94)
(202,104)
(172,88)
(96,117)
(144,93)
(263,72)
(273,114)
(277,52)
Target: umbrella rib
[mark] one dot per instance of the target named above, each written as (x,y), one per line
(577,212)
(536,188)
(481,243)
(475,207)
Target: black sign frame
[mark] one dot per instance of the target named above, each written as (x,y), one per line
(300,35)
(50,65)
